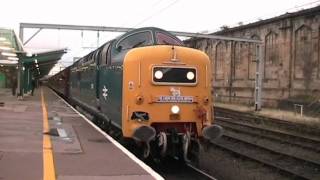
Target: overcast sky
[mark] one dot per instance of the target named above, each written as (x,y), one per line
(175,15)
(179,15)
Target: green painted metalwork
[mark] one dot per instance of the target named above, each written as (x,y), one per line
(111,93)
(87,85)
(2,80)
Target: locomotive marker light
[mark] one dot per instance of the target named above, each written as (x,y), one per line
(175,109)
(190,75)
(158,74)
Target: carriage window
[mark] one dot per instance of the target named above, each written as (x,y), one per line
(168,40)
(136,40)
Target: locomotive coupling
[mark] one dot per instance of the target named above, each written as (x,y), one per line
(212,132)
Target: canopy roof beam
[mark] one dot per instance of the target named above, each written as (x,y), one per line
(123,29)
(24,43)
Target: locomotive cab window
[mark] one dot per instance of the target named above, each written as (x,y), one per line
(167,40)
(174,75)
(135,40)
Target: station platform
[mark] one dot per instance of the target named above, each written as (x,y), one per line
(273,113)
(41,137)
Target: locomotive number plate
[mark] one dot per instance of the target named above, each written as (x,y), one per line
(175,99)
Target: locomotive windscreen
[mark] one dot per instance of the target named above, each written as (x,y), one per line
(174,75)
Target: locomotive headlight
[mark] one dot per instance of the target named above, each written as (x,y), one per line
(175,109)
(190,75)
(158,74)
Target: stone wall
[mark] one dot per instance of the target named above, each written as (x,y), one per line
(291,45)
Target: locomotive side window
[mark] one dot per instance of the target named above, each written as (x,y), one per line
(97,56)
(104,54)
(167,40)
(135,40)
(89,58)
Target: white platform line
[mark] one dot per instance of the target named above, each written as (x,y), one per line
(118,145)
(201,172)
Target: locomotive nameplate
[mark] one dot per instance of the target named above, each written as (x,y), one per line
(175,99)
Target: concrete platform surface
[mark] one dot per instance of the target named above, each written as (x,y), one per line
(80,150)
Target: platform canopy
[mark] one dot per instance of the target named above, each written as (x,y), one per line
(12,51)
(18,67)
(9,45)
(40,64)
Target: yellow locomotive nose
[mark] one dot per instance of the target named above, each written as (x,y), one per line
(167,99)
(169,84)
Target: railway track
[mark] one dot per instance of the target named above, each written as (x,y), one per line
(297,128)
(286,138)
(296,155)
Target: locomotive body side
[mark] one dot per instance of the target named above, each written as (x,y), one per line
(83,83)
(60,82)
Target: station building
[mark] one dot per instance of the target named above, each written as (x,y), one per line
(291,67)
(18,68)
(9,45)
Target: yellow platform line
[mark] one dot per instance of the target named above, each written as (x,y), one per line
(48,162)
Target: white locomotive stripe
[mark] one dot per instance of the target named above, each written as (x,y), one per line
(118,145)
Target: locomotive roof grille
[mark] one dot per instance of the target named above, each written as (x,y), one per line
(174,75)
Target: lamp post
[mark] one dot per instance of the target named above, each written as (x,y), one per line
(19,77)
(20,73)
